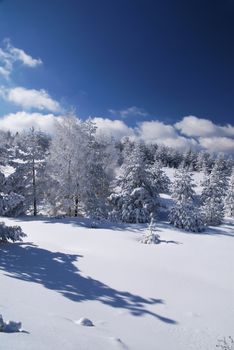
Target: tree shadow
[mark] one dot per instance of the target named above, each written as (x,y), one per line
(56,271)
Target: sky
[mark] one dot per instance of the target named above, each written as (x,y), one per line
(153,69)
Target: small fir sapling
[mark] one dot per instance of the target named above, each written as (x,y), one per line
(150,237)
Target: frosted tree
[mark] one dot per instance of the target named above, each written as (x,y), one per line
(183,187)
(64,166)
(213,194)
(11,204)
(28,178)
(160,180)
(94,181)
(150,237)
(76,169)
(134,196)
(229,199)
(203,162)
(185,214)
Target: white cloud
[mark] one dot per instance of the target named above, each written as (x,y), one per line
(158,132)
(149,131)
(4,72)
(217,144)
(153,130)
(194,126)
(10,54)
(114,128)
(129,112)
(23,121)
(22,56)
(30,98)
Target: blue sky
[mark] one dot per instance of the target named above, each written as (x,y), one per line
(132,60)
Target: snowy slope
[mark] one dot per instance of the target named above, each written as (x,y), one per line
(176,295)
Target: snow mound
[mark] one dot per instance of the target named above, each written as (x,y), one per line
(9,326)
(85,322)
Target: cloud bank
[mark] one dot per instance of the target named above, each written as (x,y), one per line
(148,131)
(191,132)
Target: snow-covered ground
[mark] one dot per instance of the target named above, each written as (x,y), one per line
(176,295)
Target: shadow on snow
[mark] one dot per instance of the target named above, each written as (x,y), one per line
(83,222)
(56,271)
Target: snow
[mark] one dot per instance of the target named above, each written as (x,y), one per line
(7,170)
(85,322)
(174,295)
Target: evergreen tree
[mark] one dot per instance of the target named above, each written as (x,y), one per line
(183,186)
(94,181)
(229,200)
(161,181)
(134,197)
(185,214)
(150,237)
(213,195)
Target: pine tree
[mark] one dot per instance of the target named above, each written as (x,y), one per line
(183,186)
(185,214)
(150,237)
(160,179)
(134,197)
(94,181)
(229,199)
(213,194)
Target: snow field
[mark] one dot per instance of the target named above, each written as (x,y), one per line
(175,295)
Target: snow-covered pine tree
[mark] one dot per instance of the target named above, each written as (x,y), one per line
(94,180)
(229,199)
(11,204)
(185,214)
(134,196)
(161,180)
(183,187)
(213,194)
(10,233)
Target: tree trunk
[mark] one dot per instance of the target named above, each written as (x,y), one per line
(34,190)
(76,206)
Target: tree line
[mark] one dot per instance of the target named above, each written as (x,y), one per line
(78,172)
